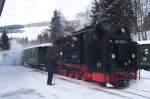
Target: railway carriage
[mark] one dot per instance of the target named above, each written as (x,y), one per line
(102,53)
(144,54)
(36,55)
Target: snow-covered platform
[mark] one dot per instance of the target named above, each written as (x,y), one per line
(18,82)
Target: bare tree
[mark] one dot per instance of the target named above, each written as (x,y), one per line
(142,10)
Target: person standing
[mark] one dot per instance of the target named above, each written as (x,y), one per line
(51,65)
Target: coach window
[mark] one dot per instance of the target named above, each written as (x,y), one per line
(146,51)
(97,34)
(26,53)
(89,36)
(30,52)
(35,52)
(84,36)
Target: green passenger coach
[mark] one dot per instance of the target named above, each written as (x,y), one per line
(35,56)
(144,54)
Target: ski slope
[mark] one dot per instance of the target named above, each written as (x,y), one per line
(18,82)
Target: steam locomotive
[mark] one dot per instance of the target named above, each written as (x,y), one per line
(101,53)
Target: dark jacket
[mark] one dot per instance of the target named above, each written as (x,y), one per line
(51,60)
(51,64)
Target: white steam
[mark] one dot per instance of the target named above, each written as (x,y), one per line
(12,56)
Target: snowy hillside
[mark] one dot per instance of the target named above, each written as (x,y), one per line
(30,32)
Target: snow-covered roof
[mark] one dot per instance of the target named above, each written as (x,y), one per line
(143,42)
(41,45)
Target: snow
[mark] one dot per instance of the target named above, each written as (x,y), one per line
(41,45)
(13,55)
(136,38)
(18,82)
(30,32)
(144,42)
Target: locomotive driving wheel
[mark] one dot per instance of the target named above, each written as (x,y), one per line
(103,84)
(120,83)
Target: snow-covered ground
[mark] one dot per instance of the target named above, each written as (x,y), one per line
(18,82)
(30,32)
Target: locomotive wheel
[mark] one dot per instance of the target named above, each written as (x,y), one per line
(103,84)
(88,80)
(120,83)
(147,69)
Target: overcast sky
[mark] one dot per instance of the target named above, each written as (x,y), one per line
(27,11)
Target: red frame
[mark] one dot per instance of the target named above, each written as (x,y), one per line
(83,72)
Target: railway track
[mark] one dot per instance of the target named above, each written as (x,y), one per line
(145,78)
(127,93)
(137,92)
(141,90)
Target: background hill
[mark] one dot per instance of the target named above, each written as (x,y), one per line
(18,28)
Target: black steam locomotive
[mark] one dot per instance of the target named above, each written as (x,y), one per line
(102,53)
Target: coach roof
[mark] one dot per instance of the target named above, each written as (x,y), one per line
(41,45)
(143,42)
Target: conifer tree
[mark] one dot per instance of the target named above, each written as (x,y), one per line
(117,12)
(39,38)
(5,41)
(95,12)
(56,26)
(46,37)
